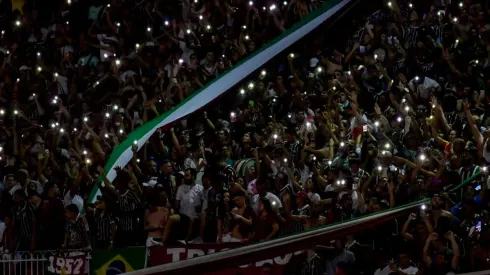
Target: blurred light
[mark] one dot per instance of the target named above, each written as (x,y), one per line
(242,91)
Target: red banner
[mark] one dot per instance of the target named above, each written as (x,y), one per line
(168,254)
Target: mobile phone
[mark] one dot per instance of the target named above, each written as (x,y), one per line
(364,128)
(478,188)
(478,226)
(251,103)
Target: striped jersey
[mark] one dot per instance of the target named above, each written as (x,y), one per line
(314,265)
(128,203)
(467,174)
(303,211)
(103,222)
(77,231)
(23,216)
(410,35)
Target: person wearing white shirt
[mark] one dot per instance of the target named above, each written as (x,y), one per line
(404,267)
(187,200)
(422,85)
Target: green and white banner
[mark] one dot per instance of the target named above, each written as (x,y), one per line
(122,154)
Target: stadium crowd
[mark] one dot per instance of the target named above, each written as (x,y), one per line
(395,112)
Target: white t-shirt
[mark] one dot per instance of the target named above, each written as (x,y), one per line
(423,88)
(190,198)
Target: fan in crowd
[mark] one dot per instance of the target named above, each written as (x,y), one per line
(394,113)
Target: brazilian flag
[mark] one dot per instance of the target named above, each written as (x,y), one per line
(117,261)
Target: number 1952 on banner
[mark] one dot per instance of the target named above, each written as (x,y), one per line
(67,265)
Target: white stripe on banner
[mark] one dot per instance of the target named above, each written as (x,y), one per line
(214,90)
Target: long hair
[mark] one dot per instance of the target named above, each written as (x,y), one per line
(267,206)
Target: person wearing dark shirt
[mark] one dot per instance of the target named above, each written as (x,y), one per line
(241,224)
(105,225)
(266,226)
(77,233)
(51,231)
(24,221)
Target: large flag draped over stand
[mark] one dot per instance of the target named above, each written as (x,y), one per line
(122,154)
